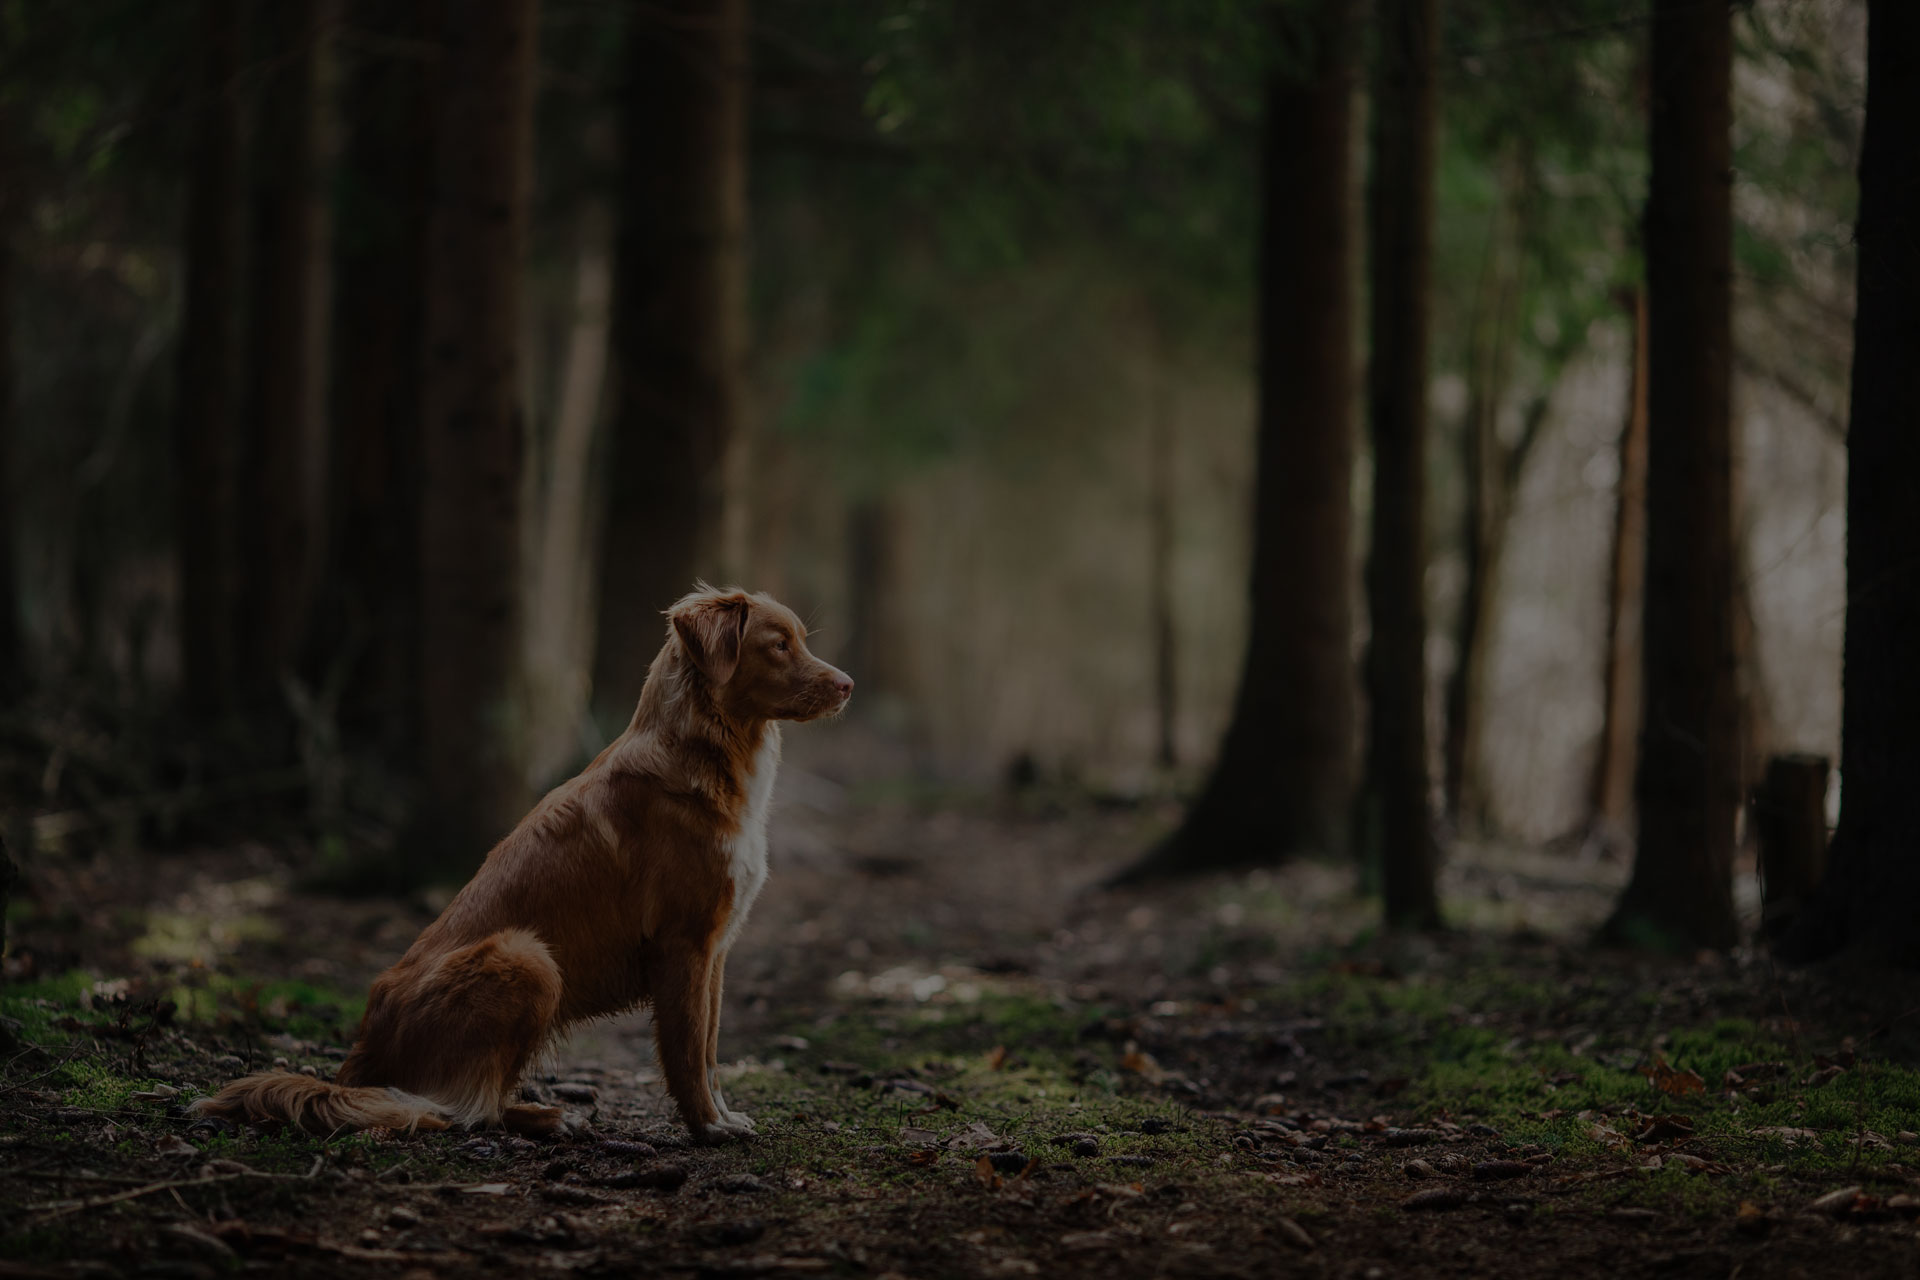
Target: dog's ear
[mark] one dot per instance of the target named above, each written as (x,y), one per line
(712,628)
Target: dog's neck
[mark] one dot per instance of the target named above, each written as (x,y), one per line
(713,750)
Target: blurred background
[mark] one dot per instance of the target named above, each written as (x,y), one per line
(376,373)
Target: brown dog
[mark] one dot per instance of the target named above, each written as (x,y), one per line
(624,886)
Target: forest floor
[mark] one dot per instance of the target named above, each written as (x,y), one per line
(966,1061)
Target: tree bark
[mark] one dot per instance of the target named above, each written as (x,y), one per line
(878,645)
(471,705)
(679,329)
(12,650)
(1874,882)
(204,438)
(1400,226)
(1160,502)
(280,446)
(1284,774)
(375,479)
(1790,827)
(1610,793)
(1687,788)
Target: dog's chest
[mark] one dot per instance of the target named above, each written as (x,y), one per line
(747,849)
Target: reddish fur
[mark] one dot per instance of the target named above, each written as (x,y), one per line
(613,892)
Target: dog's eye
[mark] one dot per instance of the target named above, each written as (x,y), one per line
(780,646)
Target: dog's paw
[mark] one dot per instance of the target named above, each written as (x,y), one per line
(727,1128)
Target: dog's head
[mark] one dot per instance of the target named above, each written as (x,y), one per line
(752,652)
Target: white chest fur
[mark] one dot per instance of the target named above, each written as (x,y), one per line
(747,850)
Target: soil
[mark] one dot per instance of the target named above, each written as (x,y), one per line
(966,1059)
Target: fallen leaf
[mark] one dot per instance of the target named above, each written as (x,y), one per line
(1838,1202)
(997,1058)
(1751,1219)
(1296,1179)
(1785,1133)
(1671,1080)
(1824,1076)
(923,1157)
(159,1093)
(1665,1128)
(173,1144)
(1141,1063)
(1293,1233)
(985,1174)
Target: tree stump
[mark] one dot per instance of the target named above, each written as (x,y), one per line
(1790,820)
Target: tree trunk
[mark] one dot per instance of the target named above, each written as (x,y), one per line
(1285,770)
(12,651)
(1687,790)
(1400,225)
(373,596)
(471,713)
(280,448)
(559,632)
(204,452)
(1160,500)
(1492,474)
(1790,822)
(1610,793)
(1874,882)
(679,329)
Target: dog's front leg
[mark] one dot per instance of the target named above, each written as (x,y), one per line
(716,983)
(682,1009)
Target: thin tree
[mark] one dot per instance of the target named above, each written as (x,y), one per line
(280,446)
(473,447)
(679,327)
(11,647)
(1394,806)
(204,452)
(1687,787)
(1284,774)
(388,165)
(1869,898)
(1610,786)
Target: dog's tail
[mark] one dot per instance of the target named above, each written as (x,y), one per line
(320,1106)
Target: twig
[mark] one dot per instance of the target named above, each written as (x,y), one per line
(60,1208)
(21,1084)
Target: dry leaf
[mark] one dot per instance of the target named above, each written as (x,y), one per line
(1435,1198)
(1293,1233)
(1141,1063)
(997,1058)
(1842,1201)
(1665,1128)
(174,1145)
(985,1174)
(1671,1080)
(159,1093)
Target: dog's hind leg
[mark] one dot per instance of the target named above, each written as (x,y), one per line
(716,984)
(464,1029)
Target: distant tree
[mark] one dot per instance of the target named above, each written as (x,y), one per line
(280,445)
(471,715)
(205,412)
(1284,773)
(1687,788)
(1868,901)
(679,327)
(386,182)
(1394,806)
(1610,786)
(12,652)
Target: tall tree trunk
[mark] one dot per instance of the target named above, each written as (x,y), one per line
(1285,770)
(388,167)
(559,632)
(12,651)
(1874,882)
(471,714)
(1493,470)
(679,329)
(204,452)
(280,446)
(1610,793)
(1687,788)
(1160,499)
(1400,225)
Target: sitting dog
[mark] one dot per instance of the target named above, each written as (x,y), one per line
(624,886)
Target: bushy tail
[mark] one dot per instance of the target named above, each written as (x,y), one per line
(319,1106)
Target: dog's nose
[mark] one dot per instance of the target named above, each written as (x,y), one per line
(843,685)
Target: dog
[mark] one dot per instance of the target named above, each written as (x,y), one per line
(625,886)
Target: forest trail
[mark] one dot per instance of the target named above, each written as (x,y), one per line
(966,1062)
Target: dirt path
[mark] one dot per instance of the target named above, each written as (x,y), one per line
(965,1062)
